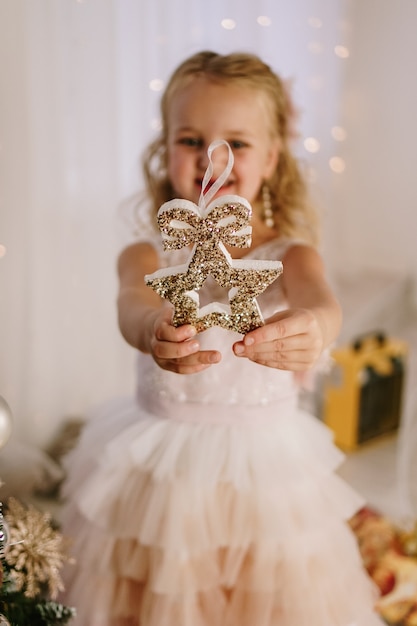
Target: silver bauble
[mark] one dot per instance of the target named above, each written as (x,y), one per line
(6,420)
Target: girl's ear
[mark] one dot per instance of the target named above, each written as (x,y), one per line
(272,157)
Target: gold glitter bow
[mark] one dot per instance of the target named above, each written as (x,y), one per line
(183,225)
(226,221)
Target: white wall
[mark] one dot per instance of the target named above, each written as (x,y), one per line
(373,220)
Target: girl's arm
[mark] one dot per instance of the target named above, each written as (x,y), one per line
(295,338)
(145,320)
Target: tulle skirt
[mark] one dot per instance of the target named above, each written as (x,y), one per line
(212,523)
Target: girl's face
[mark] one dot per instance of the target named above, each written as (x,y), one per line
(204,111)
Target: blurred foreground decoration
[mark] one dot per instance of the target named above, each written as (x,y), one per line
(6,421)
(32,553)
(390,557)
(364,390)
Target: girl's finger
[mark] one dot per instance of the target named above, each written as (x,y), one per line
(281,326)
(174,350)
(297,361)
(192,363)
(165,331)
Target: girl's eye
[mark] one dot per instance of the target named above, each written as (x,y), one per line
(193,142)
(236,145)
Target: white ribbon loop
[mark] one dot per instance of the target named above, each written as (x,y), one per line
(227,220)
(206,197)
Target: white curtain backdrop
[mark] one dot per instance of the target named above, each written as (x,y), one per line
(80,81)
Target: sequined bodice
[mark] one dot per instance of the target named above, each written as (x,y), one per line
(234,382)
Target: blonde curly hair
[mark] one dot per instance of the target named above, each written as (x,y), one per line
(293,212)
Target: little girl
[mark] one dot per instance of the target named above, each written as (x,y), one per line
(210,499)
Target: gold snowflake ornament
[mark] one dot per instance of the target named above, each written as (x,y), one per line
(209,228)
(36,552)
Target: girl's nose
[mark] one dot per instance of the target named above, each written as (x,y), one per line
(203,160)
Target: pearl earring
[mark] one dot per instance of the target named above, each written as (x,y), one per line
(268,214)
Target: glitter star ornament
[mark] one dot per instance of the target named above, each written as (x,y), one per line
(36,551)
(209,227)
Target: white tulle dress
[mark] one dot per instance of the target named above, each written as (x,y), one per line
(211,500)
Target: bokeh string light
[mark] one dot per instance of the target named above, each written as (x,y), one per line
(339,133)
(315,83)
(228,23)
(264,20)
(336,163)
(311,144)
(342,52)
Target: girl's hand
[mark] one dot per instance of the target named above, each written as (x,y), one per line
(176,349)
(290,340)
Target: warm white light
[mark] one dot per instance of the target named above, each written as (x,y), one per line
(339,133)
(337,165)
(156,84)
(341,51)
(315,47)
(315,22)
(264,20)
(156,123)
(228,23)
(3,250)
(315,82)
(311,144)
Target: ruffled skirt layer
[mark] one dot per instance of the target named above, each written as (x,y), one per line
(182,523)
